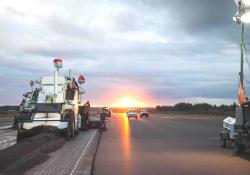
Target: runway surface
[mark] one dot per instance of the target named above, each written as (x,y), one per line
(75,157)
(166,144)
(7,134)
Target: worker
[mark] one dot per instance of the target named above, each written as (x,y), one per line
(74,86)
(85,114)
(69,92)
(87,106)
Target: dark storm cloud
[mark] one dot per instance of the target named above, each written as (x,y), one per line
(197,15)
(201,17)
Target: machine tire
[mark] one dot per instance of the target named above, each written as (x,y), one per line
(70,131)
(224,139)
(19,133)
(19,136)
(87,125)
(78,123)
(223,143)
(104,127)
(77,128)
(240,149)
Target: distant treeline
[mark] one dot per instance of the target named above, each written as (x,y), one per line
(197,108)
(179,107)
(8,108)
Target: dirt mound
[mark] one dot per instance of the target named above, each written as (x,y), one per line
(29,152)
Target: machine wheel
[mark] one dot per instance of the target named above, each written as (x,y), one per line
(239,148)
(224,139)
(77,128)
(19,136)
(104,127)
(78,125)
(19,133)
(87,125)
(70,131)
(15,122)
(73,128)
(223,143)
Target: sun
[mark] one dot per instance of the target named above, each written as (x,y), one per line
(128,102)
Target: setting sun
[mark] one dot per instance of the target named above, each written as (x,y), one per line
(128,102)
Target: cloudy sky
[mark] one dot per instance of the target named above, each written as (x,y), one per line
(156,51)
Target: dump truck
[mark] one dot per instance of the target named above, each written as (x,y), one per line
(55,105)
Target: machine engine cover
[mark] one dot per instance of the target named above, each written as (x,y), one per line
(229,123)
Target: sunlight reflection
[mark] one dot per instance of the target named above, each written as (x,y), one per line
(126,136)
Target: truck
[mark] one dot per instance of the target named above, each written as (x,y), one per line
(144,113)
(98,118)
(236,130)
(132,113)
(106,112)
(55,105)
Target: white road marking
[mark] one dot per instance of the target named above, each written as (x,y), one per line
(10,139)
(83,152)
(191,118)
(6,127)
(6,145)
(192,139)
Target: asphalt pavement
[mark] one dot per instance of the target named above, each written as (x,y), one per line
(75,157)
(166,144)
(7,137)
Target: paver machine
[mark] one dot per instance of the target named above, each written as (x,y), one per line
(56,106)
